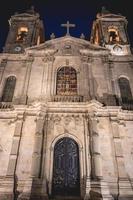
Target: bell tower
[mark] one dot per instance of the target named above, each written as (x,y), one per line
(110,31)
(25,30)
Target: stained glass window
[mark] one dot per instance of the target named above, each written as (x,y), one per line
(9,89)
(125,90)
(67,81)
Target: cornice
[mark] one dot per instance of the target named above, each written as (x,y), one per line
(92,108)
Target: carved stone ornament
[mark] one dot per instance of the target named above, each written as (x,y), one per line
(95,134)
(1,149)
(56,119)
(85,58)
(78,120)
(67,119)
(67,49)
(3,63)
(67,62)
(48,58)
(122,123)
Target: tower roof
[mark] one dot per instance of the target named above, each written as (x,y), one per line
(108,14)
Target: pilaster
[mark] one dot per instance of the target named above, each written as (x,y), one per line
(10,180)
(24,95)
(99,187)
(95,149)
(35,186)
(124,185)
(88,157)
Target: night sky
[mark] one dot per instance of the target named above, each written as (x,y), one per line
(55,12)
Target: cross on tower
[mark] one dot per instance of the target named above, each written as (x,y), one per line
(68,26)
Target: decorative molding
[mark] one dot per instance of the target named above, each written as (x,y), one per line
(3,63)
(56,119)
(122,122)
(48,59)
(67,62)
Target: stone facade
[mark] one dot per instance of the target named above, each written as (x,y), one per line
(96,117)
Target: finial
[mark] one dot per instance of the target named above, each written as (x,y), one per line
(32,8)
(82,36)
(52,36)
(104,10)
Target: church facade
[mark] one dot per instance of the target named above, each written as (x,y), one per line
(66,112)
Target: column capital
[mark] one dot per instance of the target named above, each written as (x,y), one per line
(122,123)
(41,115)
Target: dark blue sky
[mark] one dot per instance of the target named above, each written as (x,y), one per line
(55,12)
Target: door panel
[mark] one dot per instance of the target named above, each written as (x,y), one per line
(66,180)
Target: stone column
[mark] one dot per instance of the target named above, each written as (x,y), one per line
(38,140)
(86,86)
(88,157)
(35,185)
(2,69)
(15,147)
(87,146)
(99,187)
(45,79)
(91,80)
(28,65)
(95,150)
(49,81)
(123,183)
(11,179)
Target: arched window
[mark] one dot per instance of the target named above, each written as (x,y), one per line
(9,89)
(113,35)
(22,34)
(125,90)
(66,81)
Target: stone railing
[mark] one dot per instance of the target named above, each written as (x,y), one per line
(6,105)
(67,98)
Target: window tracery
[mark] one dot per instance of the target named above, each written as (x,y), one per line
(66,81)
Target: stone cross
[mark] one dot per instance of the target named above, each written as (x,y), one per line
(68,26)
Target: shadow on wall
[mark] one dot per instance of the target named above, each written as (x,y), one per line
(95,195)
(113,100)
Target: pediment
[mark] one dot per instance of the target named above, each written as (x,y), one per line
(66,46)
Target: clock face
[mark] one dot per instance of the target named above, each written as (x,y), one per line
(117,49)
(18,48)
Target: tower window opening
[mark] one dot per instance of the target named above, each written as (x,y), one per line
(113,36)
(96,41)
(22,34)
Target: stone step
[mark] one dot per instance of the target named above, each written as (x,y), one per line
(66,198)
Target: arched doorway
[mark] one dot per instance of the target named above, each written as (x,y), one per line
(66,175)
